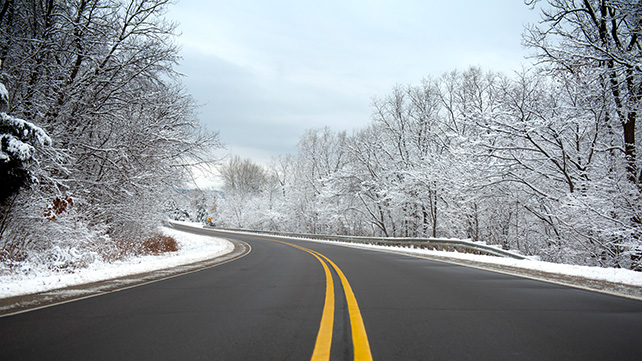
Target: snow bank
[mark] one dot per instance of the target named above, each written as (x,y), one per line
(193,248)
(616,275)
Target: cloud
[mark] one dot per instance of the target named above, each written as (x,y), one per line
(267,71)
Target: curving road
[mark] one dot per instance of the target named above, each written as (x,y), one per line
(272,304)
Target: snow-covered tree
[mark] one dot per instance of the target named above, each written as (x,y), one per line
(592,48)
(598,41)
(245,188)
(242,176)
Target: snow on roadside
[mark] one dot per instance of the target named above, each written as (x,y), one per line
(616,275)
(192,248)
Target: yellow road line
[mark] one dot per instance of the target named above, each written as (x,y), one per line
(359,336)
(324,337)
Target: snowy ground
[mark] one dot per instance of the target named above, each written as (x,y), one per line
(193,248)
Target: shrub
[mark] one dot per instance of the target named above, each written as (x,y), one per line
(159,244)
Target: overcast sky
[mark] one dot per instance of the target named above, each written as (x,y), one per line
(265,71)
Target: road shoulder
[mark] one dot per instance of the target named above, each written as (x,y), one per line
(603,286)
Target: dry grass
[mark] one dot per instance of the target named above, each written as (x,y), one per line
(159,244)
(154,245)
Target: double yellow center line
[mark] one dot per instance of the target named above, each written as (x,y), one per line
(324,337)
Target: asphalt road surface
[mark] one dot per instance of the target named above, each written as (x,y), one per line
(272,304)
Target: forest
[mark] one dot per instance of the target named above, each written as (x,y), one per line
(544,161)
(96,130)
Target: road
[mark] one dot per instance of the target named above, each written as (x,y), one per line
(272,304)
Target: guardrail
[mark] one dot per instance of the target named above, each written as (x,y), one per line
(438,244)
